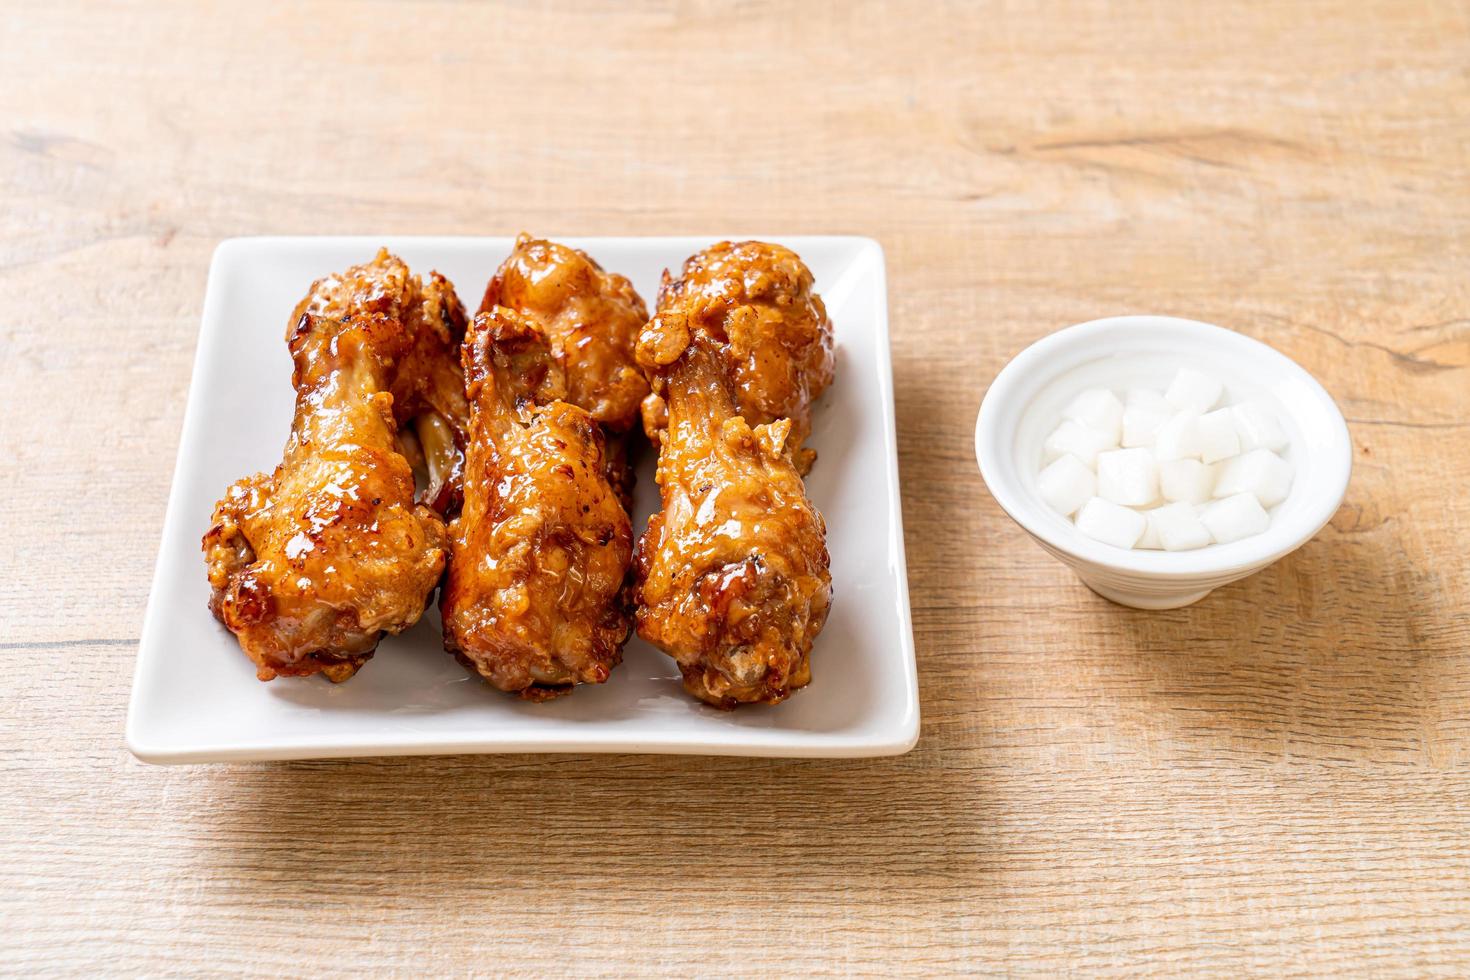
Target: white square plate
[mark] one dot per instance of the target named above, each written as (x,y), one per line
(195,696)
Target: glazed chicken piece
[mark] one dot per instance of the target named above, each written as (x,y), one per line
(776,341)
(535,598)
(733,578)
(591,320)
(312,564)
(427,383)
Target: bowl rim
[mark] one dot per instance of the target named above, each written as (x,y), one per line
(1253,552)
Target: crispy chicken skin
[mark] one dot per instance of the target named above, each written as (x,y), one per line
(591,320)
(732,574)
(775,339)
(426,382)
(312,564)
(535,598)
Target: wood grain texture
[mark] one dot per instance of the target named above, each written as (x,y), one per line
(1276,781)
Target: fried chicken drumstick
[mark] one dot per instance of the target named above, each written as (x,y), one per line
(534,599)
(732,574)
(426,382)
(775,341)
(312,564)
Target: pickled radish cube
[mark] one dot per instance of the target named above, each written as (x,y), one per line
(1147,398)
(1193,391)
(1066,484)
(1102,520)
(1141,424)
(1075,438)
(1257,427)
(1150,539)
(1188,480)
(1179,528)
(1260,472)
(1177,438)
(1235,517)
(1215,435)
(1099,410)
(1128,476)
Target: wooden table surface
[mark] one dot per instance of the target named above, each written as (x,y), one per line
(1275,781)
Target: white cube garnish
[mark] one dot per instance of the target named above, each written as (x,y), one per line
(1140,425)
(1102,520)
(1128,476)
(1099,410)
(1077,439)
(1066,484)
(1177,438)
(1215,435)
(1150,539)
(1188,480)
(1193,391)
(1235,517)
(1257,427)
(1147,398)
(1166,471)
(1260,473)
(1179,528)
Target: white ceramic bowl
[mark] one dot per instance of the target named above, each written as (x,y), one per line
(1026,400)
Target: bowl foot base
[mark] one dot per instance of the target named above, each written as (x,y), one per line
(1146,600)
